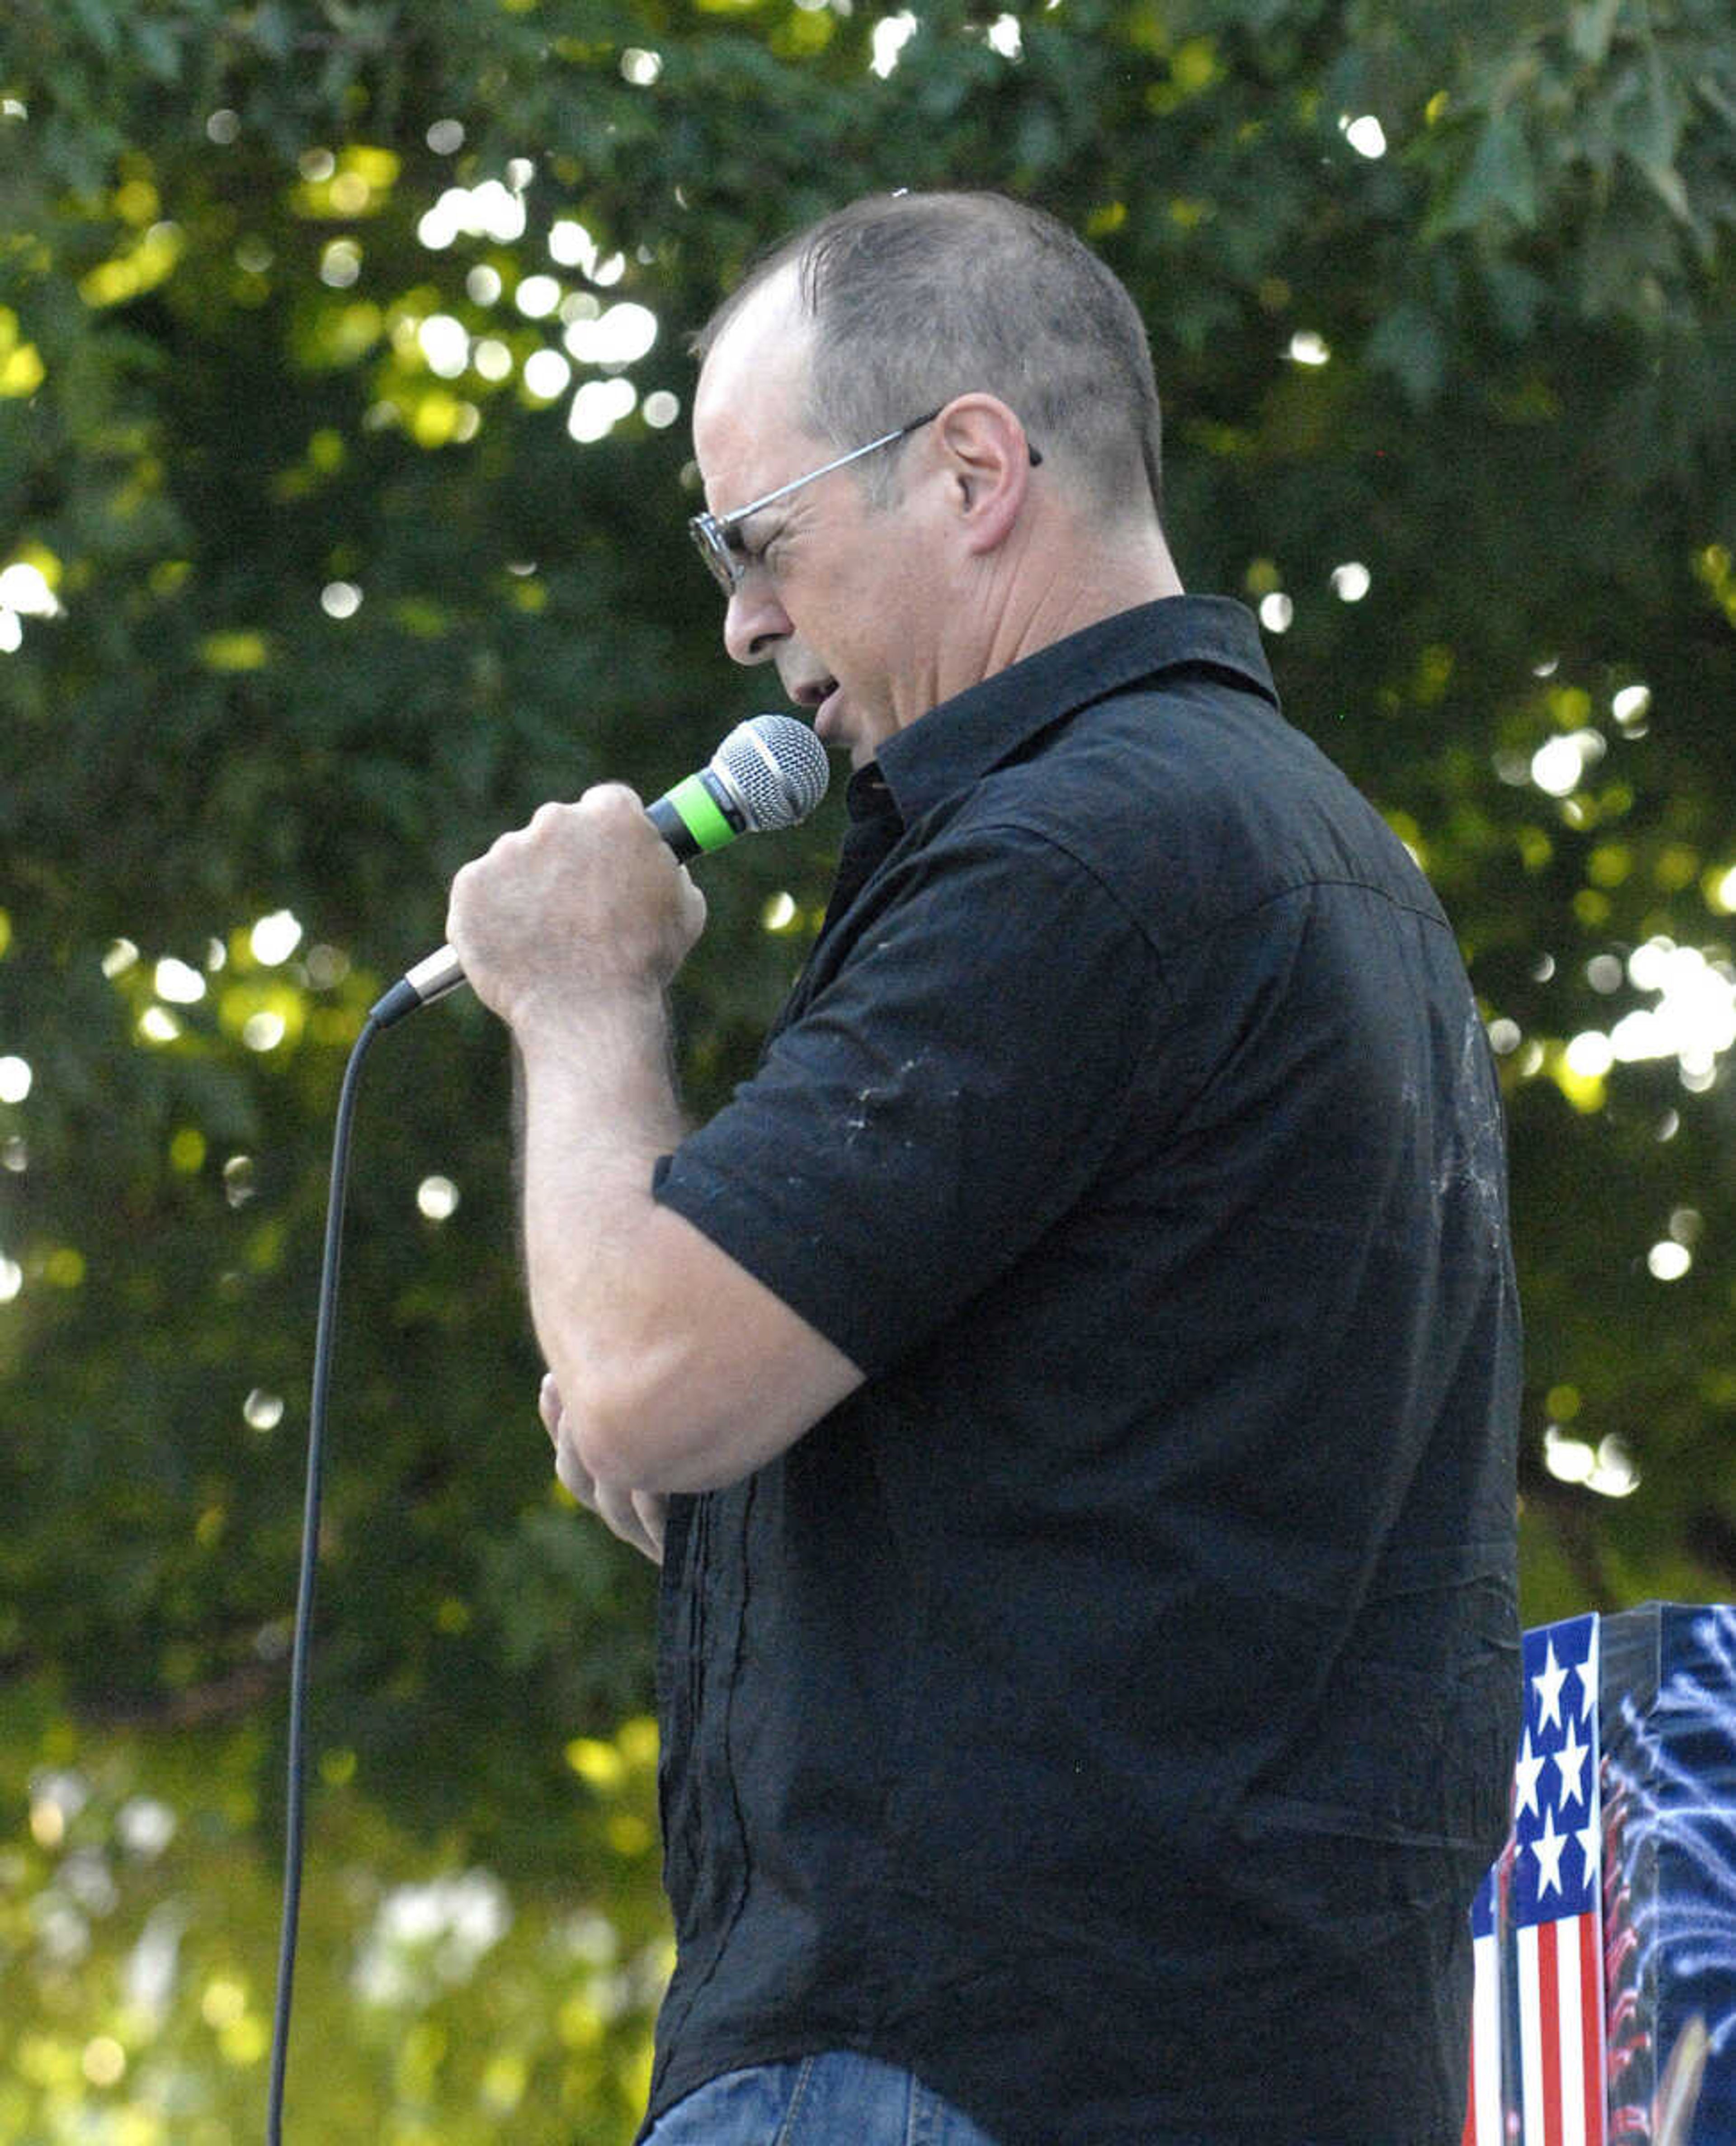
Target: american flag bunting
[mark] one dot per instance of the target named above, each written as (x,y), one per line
(1537,2070)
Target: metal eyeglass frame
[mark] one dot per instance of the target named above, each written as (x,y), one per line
(711,532)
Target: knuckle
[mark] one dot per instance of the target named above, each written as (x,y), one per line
(609,801)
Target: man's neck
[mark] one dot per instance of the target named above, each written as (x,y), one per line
(1051,592)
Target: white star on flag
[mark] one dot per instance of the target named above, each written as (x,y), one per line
(1547,1849)
(1526,1768)
(1591,1850)
(1549,1681)
(1571,1765)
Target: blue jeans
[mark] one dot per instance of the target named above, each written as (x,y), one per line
(839,2099)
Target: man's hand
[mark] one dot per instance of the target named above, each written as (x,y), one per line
(586,899)
(636,1516)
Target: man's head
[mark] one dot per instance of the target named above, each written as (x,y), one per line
(915,299)
(960,341)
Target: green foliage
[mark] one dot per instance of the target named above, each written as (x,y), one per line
(310,590)
(138,1937)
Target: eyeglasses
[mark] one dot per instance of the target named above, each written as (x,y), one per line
(711,532)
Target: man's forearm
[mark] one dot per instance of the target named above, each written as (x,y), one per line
(598,1104)
(661,1108)
(677,1369)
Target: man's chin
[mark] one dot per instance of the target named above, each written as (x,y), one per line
(834,728)
(843,732)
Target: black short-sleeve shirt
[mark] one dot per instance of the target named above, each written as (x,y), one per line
(1108,1710)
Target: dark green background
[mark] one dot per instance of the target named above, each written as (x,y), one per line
(214,406)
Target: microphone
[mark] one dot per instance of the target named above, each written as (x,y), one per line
(769,772)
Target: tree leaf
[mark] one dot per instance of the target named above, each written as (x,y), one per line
(1591,25)
(100,24)
(158,47)
(1409,344)
(1502,177)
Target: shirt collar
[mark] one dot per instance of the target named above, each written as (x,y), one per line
(960,740)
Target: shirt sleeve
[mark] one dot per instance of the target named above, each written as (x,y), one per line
(947,1093)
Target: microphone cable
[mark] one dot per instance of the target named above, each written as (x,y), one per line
(294,1819)
(769,773)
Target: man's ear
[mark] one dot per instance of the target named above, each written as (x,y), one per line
(988,463)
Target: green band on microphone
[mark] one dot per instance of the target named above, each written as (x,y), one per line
(701,815)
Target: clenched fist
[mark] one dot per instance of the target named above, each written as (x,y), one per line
(585,899)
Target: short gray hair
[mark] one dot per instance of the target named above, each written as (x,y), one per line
(917,297)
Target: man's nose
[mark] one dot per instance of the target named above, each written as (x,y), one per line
(756,621)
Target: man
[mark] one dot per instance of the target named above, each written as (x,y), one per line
(1080,1365)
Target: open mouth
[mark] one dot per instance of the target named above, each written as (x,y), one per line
(821,695)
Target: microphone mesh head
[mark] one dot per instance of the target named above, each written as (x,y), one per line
(776,768)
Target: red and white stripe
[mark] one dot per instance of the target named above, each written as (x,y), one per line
(1560,2014)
